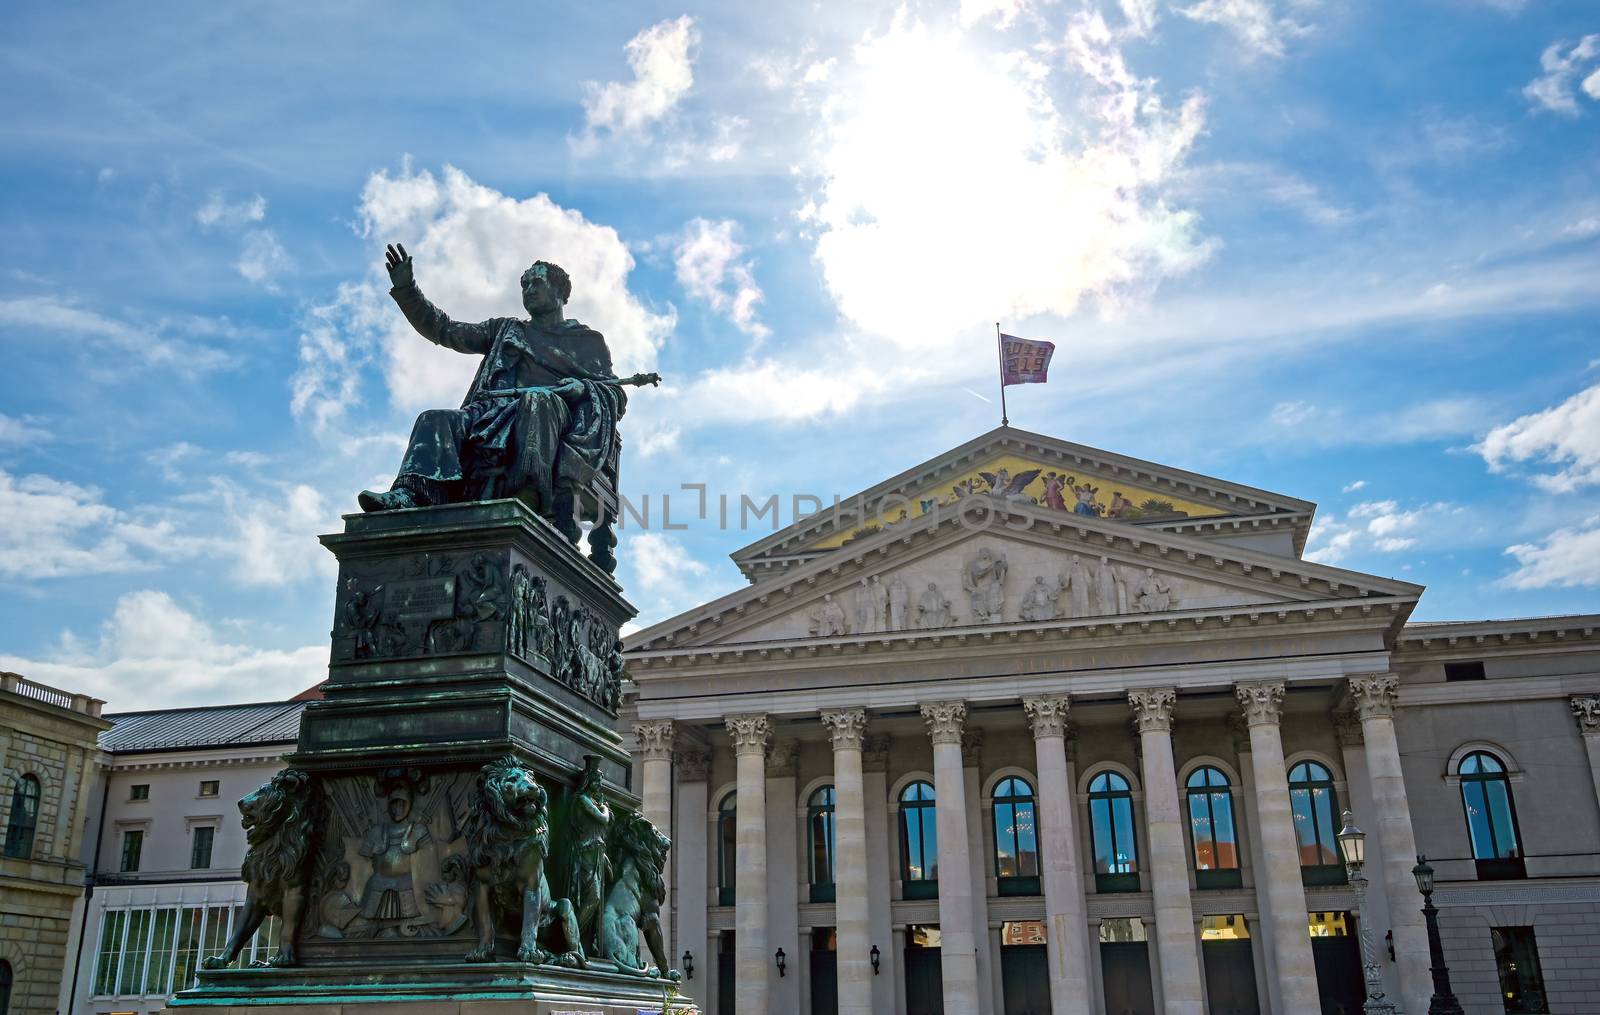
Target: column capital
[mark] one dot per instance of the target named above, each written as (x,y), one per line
(1261,701)
(749,733)
(1586,709)
(693,765)
(1152,708)
(1375,695)
(1347,727)
(875,753)
(945,720)
(654,737)
(1048,715)
(782,758)
(847,727)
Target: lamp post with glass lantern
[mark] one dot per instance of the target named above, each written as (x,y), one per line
(1444,999)
(1353,847)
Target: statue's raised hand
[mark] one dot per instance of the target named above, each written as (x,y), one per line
(399,264)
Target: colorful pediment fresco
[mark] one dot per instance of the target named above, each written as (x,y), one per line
(1012,477)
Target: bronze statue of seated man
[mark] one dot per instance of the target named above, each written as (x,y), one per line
(540,419)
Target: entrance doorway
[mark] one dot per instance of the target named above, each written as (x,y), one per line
(1125,967)
(824,971)
(725,978)
(1230,966)
(1337,954)
(924,977)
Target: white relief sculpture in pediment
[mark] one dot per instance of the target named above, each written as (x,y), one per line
(1110,590)
(828,619)
(872,605)
(1078,586)
(899,601)
(933,609)
(1039,602)
(1154,593)
(983,578)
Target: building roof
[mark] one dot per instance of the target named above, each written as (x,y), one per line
(266,722)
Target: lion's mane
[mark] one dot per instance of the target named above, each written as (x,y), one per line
(497,831)
(280,837)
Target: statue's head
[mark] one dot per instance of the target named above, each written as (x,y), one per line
(545,287)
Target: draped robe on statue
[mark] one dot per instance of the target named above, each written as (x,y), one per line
(541,444)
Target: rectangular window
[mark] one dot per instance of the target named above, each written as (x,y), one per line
(187,955)
(1463,671)
(139,791)
(112,925)
(132,846)
(1516,956)
(209,787)
(136,953)
(218,926)
(1224,928)
(159,977)
(200,850)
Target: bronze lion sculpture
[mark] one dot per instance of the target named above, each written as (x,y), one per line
(279,822)
(632,912)
(507,830)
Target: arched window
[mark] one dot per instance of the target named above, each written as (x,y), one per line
(1491,816)
(24,817)
(1016,837)
(819,830)
(919,842)
(1216,841)
(1116,851)
(727,849)
(1316,809)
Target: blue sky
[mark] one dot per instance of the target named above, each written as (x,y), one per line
(1347,251)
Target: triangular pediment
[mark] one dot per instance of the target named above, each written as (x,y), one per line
(1060,477)
(985,564)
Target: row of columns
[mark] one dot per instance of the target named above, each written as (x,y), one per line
(1281,896)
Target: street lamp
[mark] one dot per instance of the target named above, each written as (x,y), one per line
(1444,999)
(1353,846)
(877,957)
(688,965)
(779,959)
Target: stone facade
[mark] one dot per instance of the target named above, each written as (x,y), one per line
(1129,793)
(47,744)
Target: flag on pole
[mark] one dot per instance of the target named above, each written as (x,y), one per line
(1023,361)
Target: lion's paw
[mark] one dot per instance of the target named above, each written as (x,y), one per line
(571,960)
(285,957)
(481,955)
(533,954)
(214,962)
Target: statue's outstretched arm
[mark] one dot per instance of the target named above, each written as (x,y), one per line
(429,321)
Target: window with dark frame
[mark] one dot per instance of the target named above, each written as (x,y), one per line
(1516,958)
(1216,840)
(819,831)
(200,848)
(919,842)
(727,849)
(1463,671)
(1111,834)
(1315,805)
(24,818)
(1016,838)
(1491,814)
(132,846)
(139,791)
(209,787)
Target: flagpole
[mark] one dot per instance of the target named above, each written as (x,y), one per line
(1000,351)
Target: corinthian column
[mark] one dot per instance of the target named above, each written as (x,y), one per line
(851,919)
(750,734)
(1176,942)
(1283,896)
(958,954)
(1374,703)
(654,738)
(1064,911)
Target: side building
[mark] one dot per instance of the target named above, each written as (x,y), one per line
(1037,727)
(167,848)
(48,760)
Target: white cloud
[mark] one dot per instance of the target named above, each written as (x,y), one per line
(153,653)
(712,267)
(262,258)
(168,342)
(662,575)
(273,533)
(218,212)
(1256,23)
(1004,12)
(1565,438)
(662,60)
(14,430)
(471,244)
(1359,484)
(1140,15)
(1381,526)
(1553,89)
(1038,207)
(1292,413)
(1568,557)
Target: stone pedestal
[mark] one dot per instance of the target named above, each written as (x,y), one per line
(462,635)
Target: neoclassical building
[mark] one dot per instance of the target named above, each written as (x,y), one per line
(1035,727)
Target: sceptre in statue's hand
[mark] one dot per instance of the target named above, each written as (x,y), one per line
(539,421)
